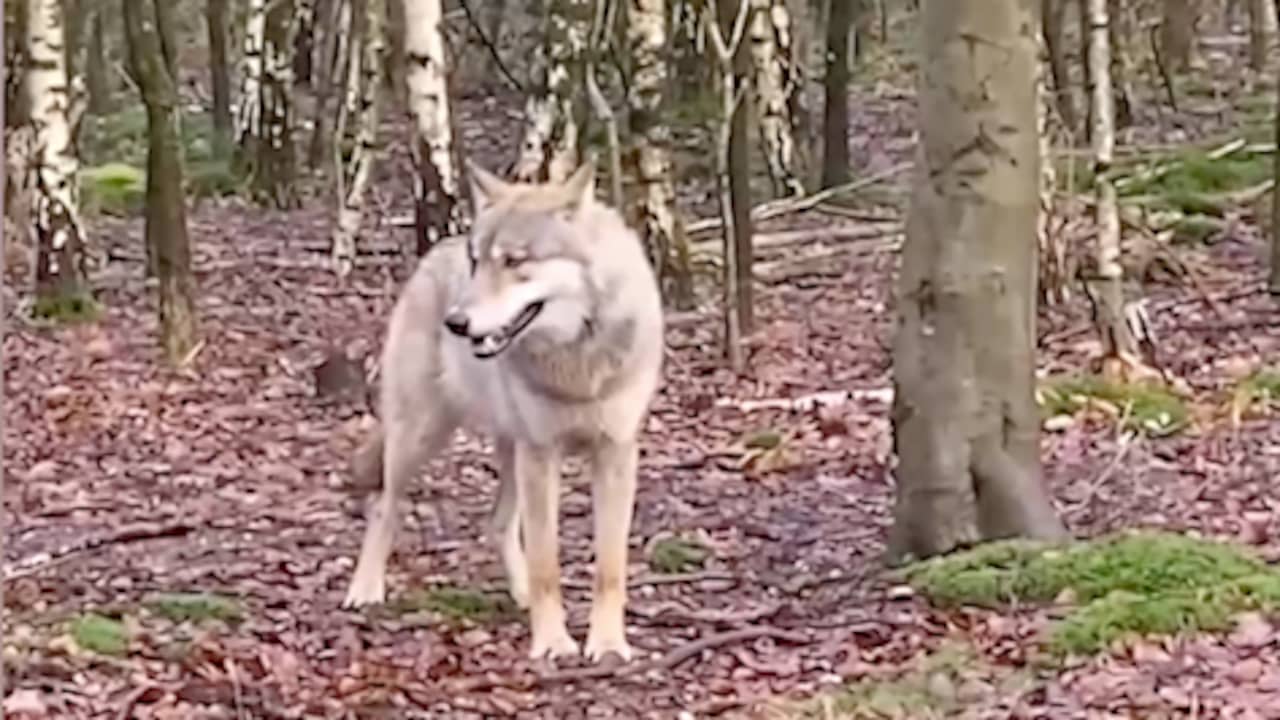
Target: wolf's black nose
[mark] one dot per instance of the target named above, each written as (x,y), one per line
(456,322)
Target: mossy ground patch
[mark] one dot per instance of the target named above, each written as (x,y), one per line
(1146,407)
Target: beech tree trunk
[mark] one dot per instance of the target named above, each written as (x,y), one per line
(1120,31)
(166,231)
(216,26)
(97,79)
(331,60)
(1262,32)
(436,178)
(773,80)
(556,112)
(1107,285)
(835,116)
(61,286)
(966,425)
(358,128)
(1177,33)
(653,200)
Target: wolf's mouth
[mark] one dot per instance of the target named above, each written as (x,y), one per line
(487,346)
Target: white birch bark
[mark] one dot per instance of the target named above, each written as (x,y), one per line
(59,240)
(1109,293)
(249,110)
(773,82)
(554,115)
(357,130)
(435,182)
(274,172)
(1054,280)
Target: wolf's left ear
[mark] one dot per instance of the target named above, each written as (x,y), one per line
(580,188)
(484,185)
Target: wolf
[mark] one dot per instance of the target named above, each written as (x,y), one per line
(543,328)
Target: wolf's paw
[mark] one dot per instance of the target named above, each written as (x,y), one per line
(365,591)
(600,644)
(553,644)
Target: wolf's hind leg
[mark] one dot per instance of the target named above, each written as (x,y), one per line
(613,493)
(505,523)
(538,477)
(407,441)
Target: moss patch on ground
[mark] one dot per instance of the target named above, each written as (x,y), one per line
(196,607)
(1259,391)
(677,555)
(100,634)
(1131,583)
(1145,407)
(76,307)
(460,605)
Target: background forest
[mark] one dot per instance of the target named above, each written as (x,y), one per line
(1062,212)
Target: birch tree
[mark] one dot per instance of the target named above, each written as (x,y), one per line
(653,200)
(61,286)
(555,112)
(357,128)
(166,230)
(774,85)
(1107,291)
(436,172)
(273,178)
(966,426)
(249,112)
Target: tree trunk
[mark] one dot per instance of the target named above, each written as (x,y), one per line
(965,421)
(358,128)
(96,71)
(1177,33)
(1054,275)
(835,116)
(1054,20)
(774,84)
(396,71)
(303,38)
(1273,283)
(1108,287)
(249,115)
(435,186)
(274,169)
(332,57)
(555,115)
(166,233)
(216,25)
(1120,31)
(1262,32)
(61,285)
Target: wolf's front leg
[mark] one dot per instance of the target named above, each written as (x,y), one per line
(538,476)
(613,467)
(505,523)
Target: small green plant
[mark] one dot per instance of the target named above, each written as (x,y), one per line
(79,307)
(460,604)
(99,634)
(1145,407)
(1261,390)
(672,556)
(114,188)
(196,607)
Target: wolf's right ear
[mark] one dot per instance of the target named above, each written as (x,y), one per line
(484,186)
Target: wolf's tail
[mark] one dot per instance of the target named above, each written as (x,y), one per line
(366,462)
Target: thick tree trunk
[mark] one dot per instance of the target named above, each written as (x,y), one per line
(1273,283)
(555,114)
(1177,33)
(774,85)
(436,179)
(332,58)
(97,79)
(653,203)
(216,25)
(166,233)
(965,421)
(1107,286)
(835,120)
(358,128)
(60,266)
(1262,32)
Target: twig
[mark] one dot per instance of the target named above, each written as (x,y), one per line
(676,656)
(493,50)
(133,533)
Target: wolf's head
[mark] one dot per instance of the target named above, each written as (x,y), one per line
(530,257)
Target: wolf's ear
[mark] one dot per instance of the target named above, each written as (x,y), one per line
(580,188)
(484,185)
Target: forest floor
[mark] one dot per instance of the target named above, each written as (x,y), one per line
(127,482)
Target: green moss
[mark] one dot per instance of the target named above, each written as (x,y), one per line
(1195,174)
(460,604)
(677,555)
(1195,229)
(114,188)
(1133,583)
(76,307)
(100,634)
(1261,388)
(1146,407)
(197,607)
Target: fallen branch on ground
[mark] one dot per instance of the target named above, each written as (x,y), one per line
(826,398)
(132,533)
